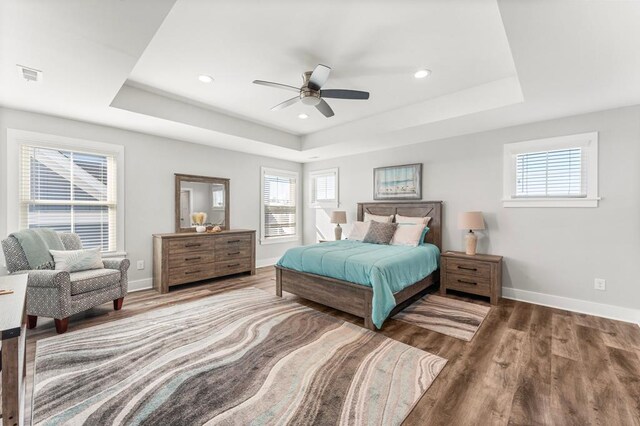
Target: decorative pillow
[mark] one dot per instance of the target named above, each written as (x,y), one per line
(77,260)
(380,233)
(407,235)
(424,234)
(376,218)
(358,231)
(421,220)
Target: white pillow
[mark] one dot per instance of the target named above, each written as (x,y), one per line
(77,260)
(358,231)
(376,218)
(407,235)
(415,220)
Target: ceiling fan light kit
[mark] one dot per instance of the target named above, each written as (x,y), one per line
(311,93)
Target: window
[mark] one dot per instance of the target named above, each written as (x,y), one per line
(279,215)
(324,188)
(555,172)
(69,185)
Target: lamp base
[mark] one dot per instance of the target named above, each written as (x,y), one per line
(338,232)
(471,243)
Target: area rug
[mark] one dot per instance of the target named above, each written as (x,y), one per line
(242,357)
(452,317)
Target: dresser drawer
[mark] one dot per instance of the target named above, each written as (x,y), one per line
(469,267)
(232,252)
(182,260)
(476,285)
(233,241)
(228,267)
(191,273)
(188,245)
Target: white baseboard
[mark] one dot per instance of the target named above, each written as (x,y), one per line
(574,305)
(143,284)
(261,263)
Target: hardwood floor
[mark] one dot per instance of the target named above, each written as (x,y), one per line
(527,365)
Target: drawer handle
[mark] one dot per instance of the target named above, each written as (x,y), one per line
(193,245)
(188,259)
(231,254)
(467,282)
(192,272)
(231,266)
(233,241)
(467,269)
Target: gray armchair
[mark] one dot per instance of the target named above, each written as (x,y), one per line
(60,294)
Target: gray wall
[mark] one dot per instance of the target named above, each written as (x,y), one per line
(556,251)
(150,163)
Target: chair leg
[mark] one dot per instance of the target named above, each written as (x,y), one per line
(61,325)
(32,321)
(117,304)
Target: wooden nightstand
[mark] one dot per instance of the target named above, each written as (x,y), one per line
(479,274)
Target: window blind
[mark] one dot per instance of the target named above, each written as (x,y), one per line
(556,173)
(324,188)
(69,191)
(280,210)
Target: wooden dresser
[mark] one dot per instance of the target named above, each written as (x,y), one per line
(478,274)
(187,257)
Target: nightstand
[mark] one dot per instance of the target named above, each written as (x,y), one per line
(478,274)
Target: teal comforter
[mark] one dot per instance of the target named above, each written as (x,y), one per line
(387,269)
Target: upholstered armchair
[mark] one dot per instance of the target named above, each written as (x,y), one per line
(60,294)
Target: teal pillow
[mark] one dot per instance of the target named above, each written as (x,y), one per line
(424,234)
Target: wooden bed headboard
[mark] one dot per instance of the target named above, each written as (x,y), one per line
(432,209)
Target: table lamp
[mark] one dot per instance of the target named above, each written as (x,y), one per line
(471,221)
(338,217)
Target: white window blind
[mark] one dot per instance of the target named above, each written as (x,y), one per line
(324,188)
(279,195)
(70,191)
(557,173)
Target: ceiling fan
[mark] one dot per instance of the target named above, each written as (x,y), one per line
(311,92)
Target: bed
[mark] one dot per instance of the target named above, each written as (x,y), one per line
(356,298)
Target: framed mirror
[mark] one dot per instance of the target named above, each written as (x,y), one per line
(201,194)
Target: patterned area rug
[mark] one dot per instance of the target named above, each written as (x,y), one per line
(242,357)
(452,317)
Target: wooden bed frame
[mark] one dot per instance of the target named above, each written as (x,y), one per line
(355,298)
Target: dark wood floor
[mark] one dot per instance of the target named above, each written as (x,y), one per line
(527,365)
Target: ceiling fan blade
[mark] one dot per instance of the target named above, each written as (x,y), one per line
(344,94)
(286,103)
(325,109)
(319,77)
(276,85)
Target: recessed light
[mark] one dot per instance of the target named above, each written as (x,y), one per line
(422,73)
(205,78)
(314,158)
(303,116)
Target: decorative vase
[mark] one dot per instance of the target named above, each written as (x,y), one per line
(201,228)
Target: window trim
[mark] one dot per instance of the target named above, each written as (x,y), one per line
(313,175)
(285,239)
(17,138)
(587,141)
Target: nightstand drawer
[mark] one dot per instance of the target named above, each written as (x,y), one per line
(476,285)
(469,267)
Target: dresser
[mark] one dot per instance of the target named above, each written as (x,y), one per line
(479,274)
(188,257)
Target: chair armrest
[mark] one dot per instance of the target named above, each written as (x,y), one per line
(120,264)
(48,278)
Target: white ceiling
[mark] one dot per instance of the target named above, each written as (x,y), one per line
(134,65)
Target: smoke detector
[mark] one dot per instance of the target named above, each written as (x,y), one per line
(29,74)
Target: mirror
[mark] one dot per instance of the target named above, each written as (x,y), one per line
(201,194)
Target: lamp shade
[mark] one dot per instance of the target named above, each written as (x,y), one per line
(470,220)
(338,216)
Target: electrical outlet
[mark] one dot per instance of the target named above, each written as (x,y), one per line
(600,284)
(140,264)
